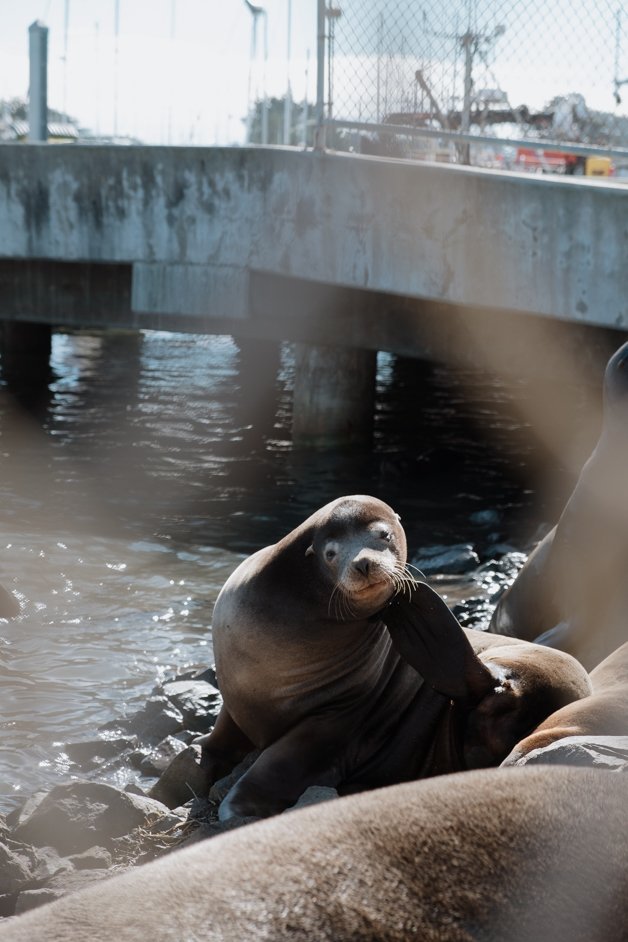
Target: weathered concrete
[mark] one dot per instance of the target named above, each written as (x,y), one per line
(334,389)
(195,223)
(471,266)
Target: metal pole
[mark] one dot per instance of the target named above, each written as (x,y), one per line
(468,42)
(264,96)
(287,105)
(38,88)
(116,52)
(66,23)
(319,136)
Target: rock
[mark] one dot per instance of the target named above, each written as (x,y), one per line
(197,700)
(157,759)
(314,795)
(485,518)
(74,817)
(60,885)
(7,904)
(31,899)
(182,780)
(95,858)
(600,752)
(15,870)
(47,863)
(24,811)
(9,605)
(446,560)
(93,752)
(158,719)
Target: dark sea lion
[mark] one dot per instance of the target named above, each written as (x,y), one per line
(603,713)
(578,575)
(310,675)
(500,855)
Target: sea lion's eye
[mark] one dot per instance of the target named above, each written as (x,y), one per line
(385,535)
(330,554)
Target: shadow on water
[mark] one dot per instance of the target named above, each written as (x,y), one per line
(142,467)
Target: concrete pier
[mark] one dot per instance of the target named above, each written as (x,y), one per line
(334,393)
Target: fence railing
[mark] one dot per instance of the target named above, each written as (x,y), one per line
(540,84)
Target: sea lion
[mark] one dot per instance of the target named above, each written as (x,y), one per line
(603,713)
(503,854)
(576,576)
(311,676)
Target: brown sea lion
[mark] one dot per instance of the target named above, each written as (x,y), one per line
(311,676)
(603,713)
(578,575)
(500,855)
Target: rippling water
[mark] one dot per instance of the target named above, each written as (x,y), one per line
(136,479)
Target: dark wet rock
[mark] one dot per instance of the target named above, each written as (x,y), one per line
(314,795)
(158,719)
(7,904)
(446,560)
(74,817)
(154,760)
(182,780)
(485,518)
(197,700)
(93,752)
(95,858)
(600,752)
(31,899)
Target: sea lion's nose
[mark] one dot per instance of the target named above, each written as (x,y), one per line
(362,564)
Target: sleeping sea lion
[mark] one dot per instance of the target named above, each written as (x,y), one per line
(523,855)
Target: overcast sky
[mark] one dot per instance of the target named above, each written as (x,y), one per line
(181,78)
(182,67)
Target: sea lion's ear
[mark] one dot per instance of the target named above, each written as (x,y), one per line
(398,517)
(310,550)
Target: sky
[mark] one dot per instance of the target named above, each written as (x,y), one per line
(180,74)
(181,71)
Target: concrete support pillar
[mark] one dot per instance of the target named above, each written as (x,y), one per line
(334,395)
(38,87)
(25,351)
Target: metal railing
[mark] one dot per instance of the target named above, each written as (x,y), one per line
(540,85)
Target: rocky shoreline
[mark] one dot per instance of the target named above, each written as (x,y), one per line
(84,830)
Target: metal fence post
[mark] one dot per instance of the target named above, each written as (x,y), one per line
(38,86)
(319,133)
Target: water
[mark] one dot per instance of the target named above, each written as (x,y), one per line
(135,481)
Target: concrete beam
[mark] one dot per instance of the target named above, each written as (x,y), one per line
(453,235)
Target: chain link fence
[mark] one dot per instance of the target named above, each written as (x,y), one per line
(486,82)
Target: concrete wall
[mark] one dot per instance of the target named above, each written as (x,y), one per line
(195,223)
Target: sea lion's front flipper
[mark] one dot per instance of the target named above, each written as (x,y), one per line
(430,638)
(306,755)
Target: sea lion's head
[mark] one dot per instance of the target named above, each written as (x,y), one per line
(360,547)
